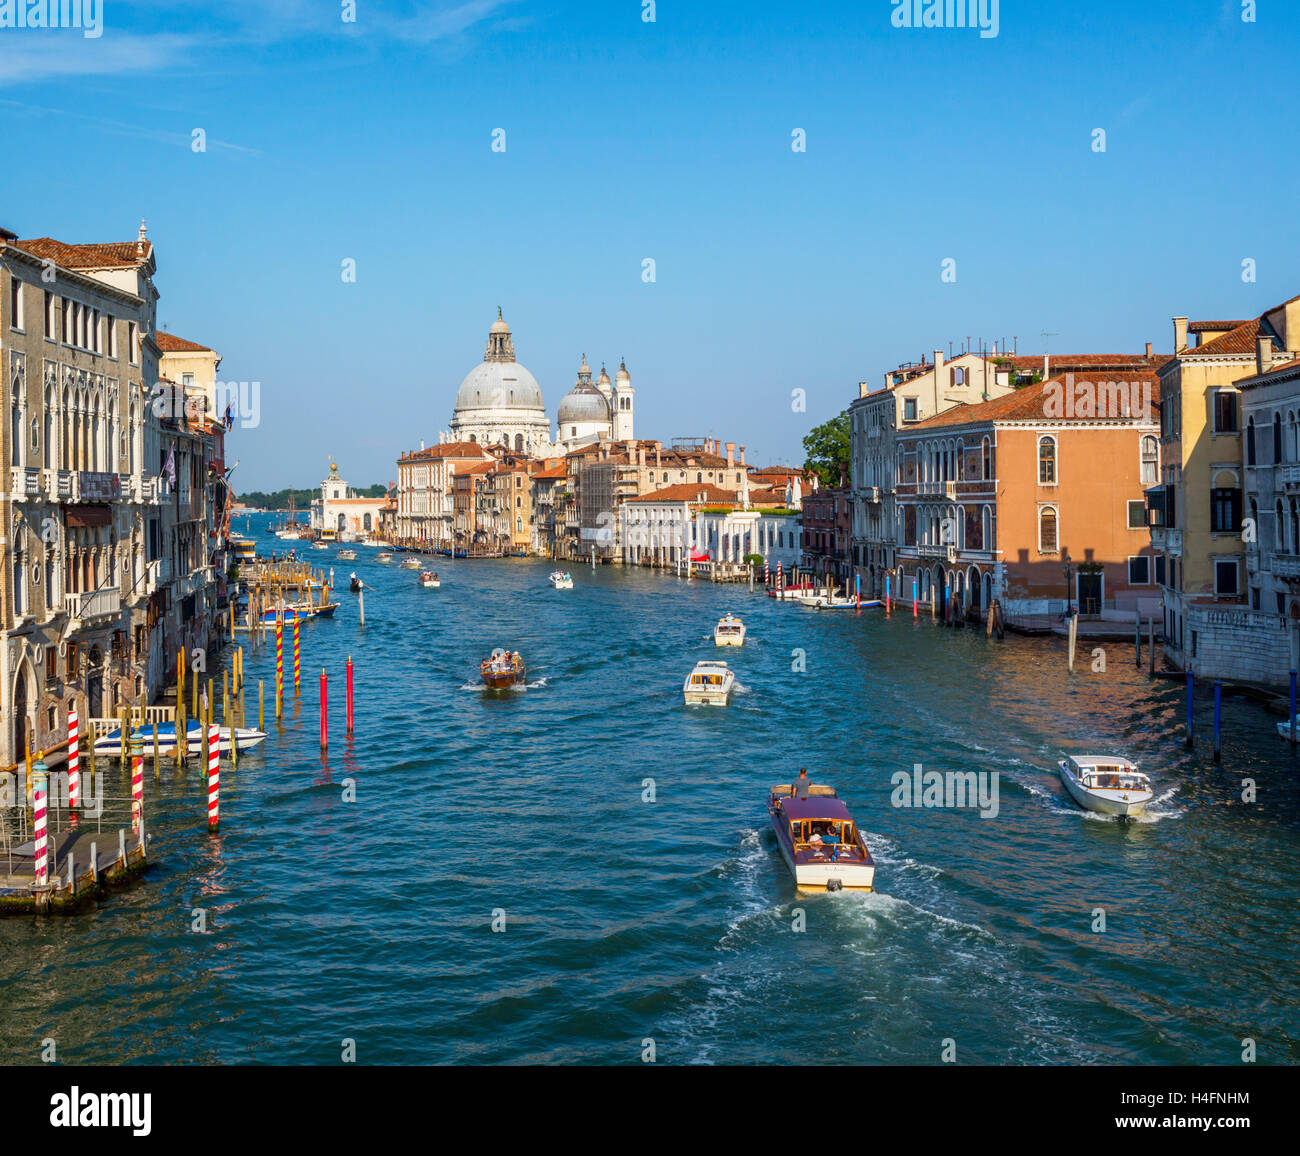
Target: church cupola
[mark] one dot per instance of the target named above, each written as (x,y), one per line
(499,345)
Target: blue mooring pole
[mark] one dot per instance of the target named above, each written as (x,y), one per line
(1218,720)
(1189,708)
(1292,727)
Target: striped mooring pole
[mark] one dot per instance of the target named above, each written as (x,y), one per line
(279,667)
(297,665)
(914,598)
(767,574)
(39,823)
(324,710)
(137,784)
(214,778)
(74,767)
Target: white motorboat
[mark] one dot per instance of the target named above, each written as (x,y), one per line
(730,631)
(561,580)
(245,737)
(1107,784)
(347,555)
(1284,729)
(709,684)
(409,563)
(320,545)
(429,580)
(383,557)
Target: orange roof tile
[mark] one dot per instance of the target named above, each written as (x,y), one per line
(1029,403)
(112,254)
(170,343)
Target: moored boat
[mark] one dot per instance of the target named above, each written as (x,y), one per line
(709,684)
(243,549)
(245,738)
(561,580)
(429,580)
(819,840)
(503,669)
(1107,784)
(730,631)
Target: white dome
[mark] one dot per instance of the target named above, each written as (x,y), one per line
(499,385)
(582,404)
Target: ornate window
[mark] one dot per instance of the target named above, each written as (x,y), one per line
(1047,530)
(1047,462)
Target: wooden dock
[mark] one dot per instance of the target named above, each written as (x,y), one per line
(84,862)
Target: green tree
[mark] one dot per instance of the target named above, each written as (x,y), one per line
(827,447)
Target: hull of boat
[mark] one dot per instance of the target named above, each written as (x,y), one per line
(729,639)
(1106,802)
(431,585)
(707,697)
(824,876)
(503,681)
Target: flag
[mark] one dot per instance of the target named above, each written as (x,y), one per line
(230,417)
(169,467)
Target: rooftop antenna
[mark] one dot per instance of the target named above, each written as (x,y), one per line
(1045,335)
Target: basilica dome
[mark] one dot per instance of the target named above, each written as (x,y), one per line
(499,385)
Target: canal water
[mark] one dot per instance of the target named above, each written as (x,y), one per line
(675,920)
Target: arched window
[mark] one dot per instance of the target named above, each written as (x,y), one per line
(1047,461)
(1279,529)
(473,437)
(519,443)
(365,522)
(1277,437)
(1250,441)
(1047,530)
(1150,460)
(986,518)
(986,453)
(1295,526)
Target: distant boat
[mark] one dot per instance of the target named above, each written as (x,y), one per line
(429,580)
(242,549)
(730,631)
(819,840)
(1107,784)
(561,580)
(503,669)
(245,738)
(709,684)
(409,563)
(383,557)
(347,555)
(291,611)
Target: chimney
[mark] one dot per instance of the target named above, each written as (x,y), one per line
(938,369)
(640,457)
(731,454)
(657,457)
(1148,351)
(1263,353)
(1180,335)
(742,455)
(862,387)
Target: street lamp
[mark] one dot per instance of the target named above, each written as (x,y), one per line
(1067,563)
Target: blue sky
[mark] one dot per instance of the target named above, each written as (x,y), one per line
(671,140)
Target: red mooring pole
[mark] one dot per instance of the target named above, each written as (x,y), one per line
(324,710)
(349,696)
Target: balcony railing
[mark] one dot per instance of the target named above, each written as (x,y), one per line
(97,487)
(1289,475)
(26,482)
(103,603)
(1286,565)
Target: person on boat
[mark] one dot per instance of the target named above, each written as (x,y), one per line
(801,784)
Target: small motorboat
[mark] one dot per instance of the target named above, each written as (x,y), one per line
(354,583)
(503,669)
(383,557)
(347,555)
(833,602)
(429,580)
(320,545)
(245,738)
(561,580)
(291,611)
(409,563)
(730,631)
(709,684)
(1284,728)
(819,840)
(1107,784)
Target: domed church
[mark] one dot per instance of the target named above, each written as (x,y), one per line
(500,403)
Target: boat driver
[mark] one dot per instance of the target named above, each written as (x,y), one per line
(801,784)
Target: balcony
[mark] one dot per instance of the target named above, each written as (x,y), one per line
(103,603)
(160,573)
(1286,565)
(950,491)
(147,491)
(1288,476)
(97,487)
(59,485)
(26,482)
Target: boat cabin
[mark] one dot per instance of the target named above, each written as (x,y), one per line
(1109,775)
(709,675)
(819,827)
